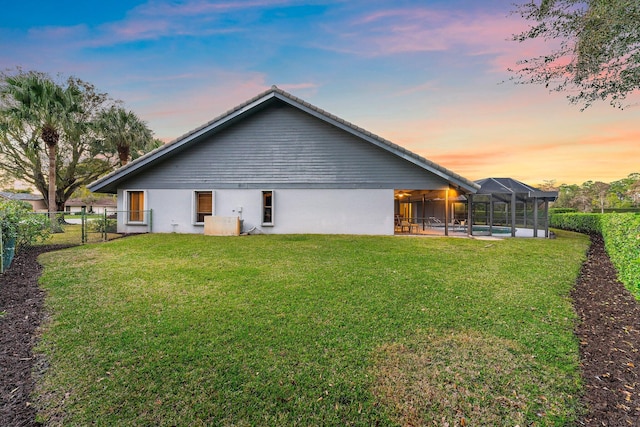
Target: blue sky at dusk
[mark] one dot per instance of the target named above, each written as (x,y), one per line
(430,76)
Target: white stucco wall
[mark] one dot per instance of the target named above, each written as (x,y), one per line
(296,211)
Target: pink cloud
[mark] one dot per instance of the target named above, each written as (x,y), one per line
(68,35)
(138,29)
(192,8)
(157,19)
(395,31)
(203,95)
(422,30)
(153,20)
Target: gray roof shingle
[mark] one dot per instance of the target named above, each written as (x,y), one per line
(256,102)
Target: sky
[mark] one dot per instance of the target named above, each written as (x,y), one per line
(429,75)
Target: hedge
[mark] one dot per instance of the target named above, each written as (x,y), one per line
(621,234)
(561,210)
(581,222)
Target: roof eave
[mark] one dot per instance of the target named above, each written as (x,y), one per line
(451,177)
(108,182)
(105,183)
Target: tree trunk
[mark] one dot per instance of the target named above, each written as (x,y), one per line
(50,136)
(52,182)
(123,154)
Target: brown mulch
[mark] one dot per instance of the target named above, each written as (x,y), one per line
(21,311)
(608,330)
(609,334)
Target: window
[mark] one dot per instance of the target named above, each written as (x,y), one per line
(267,208)
(135,206)
(203,205)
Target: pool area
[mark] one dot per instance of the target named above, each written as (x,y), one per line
(484,229)
(479,231)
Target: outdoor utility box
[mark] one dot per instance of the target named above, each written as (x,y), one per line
(221,226)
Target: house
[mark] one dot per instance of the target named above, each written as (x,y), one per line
(96,206)
(36,201)
(280,165)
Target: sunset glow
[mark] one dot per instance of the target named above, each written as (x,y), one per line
(429,76)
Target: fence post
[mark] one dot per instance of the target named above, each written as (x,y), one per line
(83,228)
(1,253)
(105,235)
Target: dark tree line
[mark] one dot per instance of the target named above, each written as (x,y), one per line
(597,196)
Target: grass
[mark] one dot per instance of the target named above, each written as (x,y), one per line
(72,235)
(311,330)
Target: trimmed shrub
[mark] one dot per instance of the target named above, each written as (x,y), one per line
(621,233)
(587,223)
(622,210)
(560,210)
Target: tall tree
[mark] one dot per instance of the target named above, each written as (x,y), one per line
(40,102)
(597,48)
(600,190)
(634,193)
(81,155)
(125,132)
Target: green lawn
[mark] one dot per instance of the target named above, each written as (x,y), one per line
(71,234)
(311,330)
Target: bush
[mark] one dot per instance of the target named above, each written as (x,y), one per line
(621,233)
(587,223)
(18,221)
(103,226)
(560,210)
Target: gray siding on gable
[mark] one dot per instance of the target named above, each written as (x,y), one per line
(282,147)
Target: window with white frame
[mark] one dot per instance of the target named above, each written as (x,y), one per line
(202,205)
(135,206)
(267,208)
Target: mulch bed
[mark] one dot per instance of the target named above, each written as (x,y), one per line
(608,330)
(21,311)
(609,334)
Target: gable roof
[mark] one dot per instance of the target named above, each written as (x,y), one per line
(109,182)
(20,196)
(510,185)
(103,201)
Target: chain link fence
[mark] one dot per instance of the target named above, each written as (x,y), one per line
(73,228)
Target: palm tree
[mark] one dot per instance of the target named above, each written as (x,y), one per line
(46,106)
(125,132)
